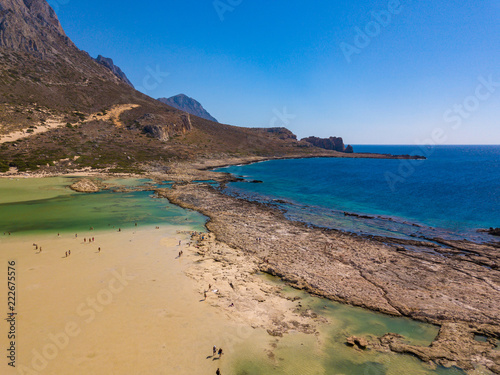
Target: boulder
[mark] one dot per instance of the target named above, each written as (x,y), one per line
(358,342)
(157,131)
(85,186)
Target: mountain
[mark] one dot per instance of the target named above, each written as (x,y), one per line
(31,26)
(189,105)
(45,78)
(108,63)
(61,110)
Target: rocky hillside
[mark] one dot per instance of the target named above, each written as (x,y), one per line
(332,143)
(189,105)
(108,63)
(31,26)
(45,78)
(60,109)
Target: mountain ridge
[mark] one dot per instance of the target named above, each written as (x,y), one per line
(108,63)
(189,105)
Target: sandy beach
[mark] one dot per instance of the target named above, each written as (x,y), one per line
(129,309)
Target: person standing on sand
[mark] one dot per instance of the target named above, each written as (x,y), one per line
(99,250)
(214,351)
(220,352)
(217,372)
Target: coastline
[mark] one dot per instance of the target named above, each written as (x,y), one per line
(201,164)
(369,272)
(373,273)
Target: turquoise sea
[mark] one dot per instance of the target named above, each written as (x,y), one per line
(451,194)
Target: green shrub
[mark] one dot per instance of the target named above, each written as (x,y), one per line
(4,166)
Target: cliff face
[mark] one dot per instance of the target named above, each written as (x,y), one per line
(332,143)
(108,63)
(31,26)
(189,105)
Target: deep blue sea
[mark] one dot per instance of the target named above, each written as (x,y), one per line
(451,194)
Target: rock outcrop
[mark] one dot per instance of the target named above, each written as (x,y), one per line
(108,63)
(358,342)
(281,133)
(491,231)
(457,344)
(189,105)
(31,26)
(332,143)
(85,186)
(162,128)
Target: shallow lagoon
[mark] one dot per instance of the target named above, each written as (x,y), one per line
(41,205)
(326,353)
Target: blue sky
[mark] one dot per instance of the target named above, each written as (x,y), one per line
(373,72)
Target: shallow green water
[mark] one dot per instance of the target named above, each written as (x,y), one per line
(43,205)
(327,354)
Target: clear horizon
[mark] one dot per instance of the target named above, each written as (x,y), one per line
(371,72)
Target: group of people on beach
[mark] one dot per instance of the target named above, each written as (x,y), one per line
(214,353)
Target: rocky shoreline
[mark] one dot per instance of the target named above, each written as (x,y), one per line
(456,286)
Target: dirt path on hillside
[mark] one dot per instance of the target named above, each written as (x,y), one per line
(113,114)
(49,125)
